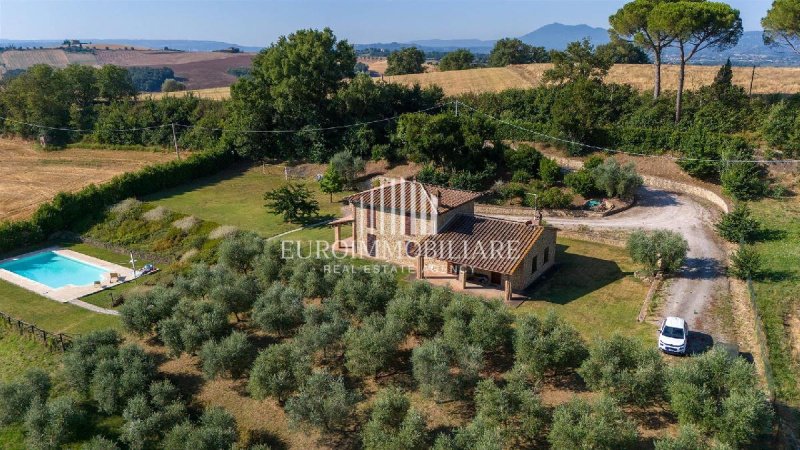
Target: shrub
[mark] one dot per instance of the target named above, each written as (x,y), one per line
(719,394)
(521,176)
(578,424)
(524,158)
(393,424)
(278,371)
(372,347)
(662,250)
(552,198)
(279,309)
(581,182)
(549,171)
(323,401)
(746,263)
(233,356)
(547,344)
(744,180)
(738,226)
(621,367)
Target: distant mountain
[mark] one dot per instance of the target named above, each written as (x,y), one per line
(556,36)
(176,44)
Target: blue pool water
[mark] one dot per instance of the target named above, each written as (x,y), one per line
(54,270)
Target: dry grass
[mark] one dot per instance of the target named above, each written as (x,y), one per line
(186,223)
(768,80)
(29,177)
(157,214)
(219,93)
(222,231)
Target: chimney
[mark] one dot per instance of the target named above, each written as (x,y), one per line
(435,198)
(537,218)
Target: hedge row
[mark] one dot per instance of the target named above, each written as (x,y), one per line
(74,210)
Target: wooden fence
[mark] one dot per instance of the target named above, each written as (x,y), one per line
(53,341)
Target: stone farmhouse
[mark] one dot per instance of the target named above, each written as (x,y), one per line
(436,231)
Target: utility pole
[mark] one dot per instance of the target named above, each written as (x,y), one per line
(175,141)
(752,77)
(456,108)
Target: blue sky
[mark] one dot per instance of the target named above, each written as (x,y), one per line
(260,22)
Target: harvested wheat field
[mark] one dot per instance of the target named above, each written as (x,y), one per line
(29,177)
(768,80)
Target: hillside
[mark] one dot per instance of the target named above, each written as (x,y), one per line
(768,80)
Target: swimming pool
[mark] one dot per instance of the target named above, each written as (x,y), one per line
(54,270)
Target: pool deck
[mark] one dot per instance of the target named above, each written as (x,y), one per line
(71,294)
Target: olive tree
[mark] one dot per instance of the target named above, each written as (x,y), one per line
(547,344)
(216,430)
(192,324)
(18,395)
(49,425)
(616,180)
(238,251)
(150,415)
(279,309)
(394,424)
(441,370)
(405,61)
(117,379)
(659,250)
(232,356)
(514,410)
(278,371)
(143,310)
(371,347)
(324,402)
(720,394)
(602,424)
(323,328)
(419,308)
(624,369)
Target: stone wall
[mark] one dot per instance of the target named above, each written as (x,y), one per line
(524,275)
(663,184)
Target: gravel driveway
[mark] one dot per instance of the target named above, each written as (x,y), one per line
(701,279)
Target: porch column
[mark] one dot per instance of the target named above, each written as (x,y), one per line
(336,235)
(507,287)
(462,277)
(420,267)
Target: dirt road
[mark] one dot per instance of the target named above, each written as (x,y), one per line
(692,290)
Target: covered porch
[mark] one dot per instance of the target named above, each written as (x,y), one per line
(475,281)
(346,245)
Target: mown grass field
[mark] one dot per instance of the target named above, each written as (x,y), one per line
(236,197)
(778,290)
(593,288)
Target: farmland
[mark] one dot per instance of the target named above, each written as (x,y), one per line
(768,80)
(29,177)
(198,70)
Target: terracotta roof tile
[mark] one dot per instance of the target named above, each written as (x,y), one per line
(414,196)
(485,243)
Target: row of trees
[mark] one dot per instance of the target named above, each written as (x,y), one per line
(507,51)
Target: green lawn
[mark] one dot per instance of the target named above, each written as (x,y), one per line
(593,288)
(236,197)
(778,291)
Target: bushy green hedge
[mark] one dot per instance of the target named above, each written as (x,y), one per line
(72,210)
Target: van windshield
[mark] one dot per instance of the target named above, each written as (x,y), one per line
(672,332)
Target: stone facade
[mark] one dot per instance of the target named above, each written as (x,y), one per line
(544,252)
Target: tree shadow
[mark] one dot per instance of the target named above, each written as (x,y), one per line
(236,170)
(774,276)
(573,277)
(769,235)
(701,269)
(263,437)
(649,198)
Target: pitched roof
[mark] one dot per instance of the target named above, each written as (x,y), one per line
(486,243)
(414,196)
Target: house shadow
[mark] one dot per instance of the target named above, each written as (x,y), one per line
(573,276)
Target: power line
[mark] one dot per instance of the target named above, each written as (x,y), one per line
(611,150)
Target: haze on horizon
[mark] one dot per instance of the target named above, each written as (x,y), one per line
(258,23)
